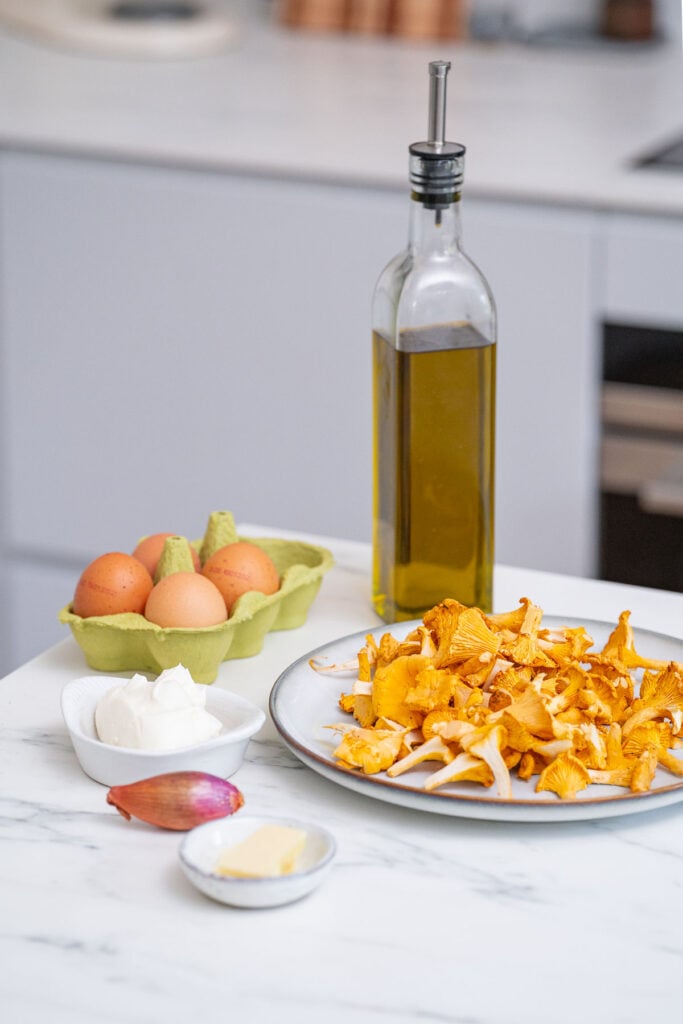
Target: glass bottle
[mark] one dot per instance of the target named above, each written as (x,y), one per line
(434,360)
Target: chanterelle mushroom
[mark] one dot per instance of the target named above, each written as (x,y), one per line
(498,693)
(566,775)
(487,744)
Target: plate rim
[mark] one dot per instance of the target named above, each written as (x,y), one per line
(376,786)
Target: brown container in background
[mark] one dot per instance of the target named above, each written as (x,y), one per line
(429,19)
(409,19)
(321,15)
(368,16)
(288,12)
(628,19)
(455,19)
(416,19)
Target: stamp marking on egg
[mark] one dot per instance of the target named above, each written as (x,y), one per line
(233,573)
(99,588)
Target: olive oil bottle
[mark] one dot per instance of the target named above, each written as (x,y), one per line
(434,366)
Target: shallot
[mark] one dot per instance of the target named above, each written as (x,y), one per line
(177,800)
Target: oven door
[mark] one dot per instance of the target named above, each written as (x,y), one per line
(641,534)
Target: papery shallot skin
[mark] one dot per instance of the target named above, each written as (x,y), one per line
(177,800)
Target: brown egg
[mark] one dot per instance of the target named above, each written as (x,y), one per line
(149,551)
(240,567)
(112,584)
(185,600)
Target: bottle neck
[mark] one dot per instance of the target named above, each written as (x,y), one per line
(435,232)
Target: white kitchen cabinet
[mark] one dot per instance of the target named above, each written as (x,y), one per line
(174,343)
(36,591)
(177,341)
(541,263)
(643,268)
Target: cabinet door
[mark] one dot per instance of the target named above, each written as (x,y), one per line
(638,289)
(177,342)
(541,266)
(34,591)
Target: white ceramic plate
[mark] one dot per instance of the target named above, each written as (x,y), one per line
(304,701)
(118,766)
(201,848)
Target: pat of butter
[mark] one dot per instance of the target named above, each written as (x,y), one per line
(271,850)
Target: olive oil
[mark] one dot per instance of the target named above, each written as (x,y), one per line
(434,402)
(434,366)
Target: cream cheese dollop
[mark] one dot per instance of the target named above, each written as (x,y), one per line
(165,713)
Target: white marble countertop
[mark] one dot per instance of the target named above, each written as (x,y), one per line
(541,125)
(424,917)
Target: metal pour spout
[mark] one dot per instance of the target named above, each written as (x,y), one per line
(438,72)
(436,166)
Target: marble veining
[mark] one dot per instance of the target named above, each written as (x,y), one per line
(423,918)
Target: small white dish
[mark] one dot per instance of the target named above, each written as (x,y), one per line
(201,848)
(119,766)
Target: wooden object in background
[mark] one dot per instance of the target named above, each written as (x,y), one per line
(631,20)
(416,19)
(321,15)
(368,16)
(288,12)
(455,19)
(408,19)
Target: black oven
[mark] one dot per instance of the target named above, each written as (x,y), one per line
(641,502)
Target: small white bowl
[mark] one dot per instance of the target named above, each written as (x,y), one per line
(201,848)
(118,766)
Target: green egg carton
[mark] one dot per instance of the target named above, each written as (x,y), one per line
(129,643)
